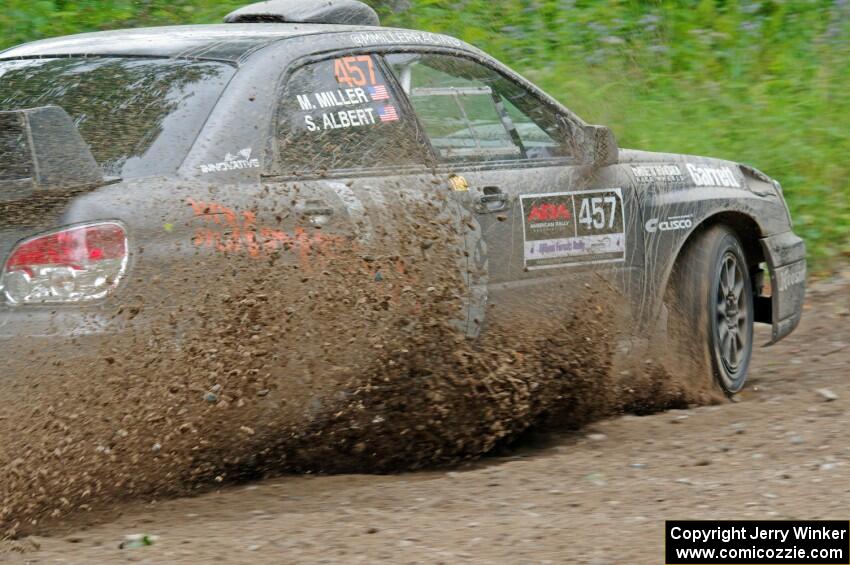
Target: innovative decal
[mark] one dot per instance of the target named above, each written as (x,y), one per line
(242,160)
(569,228)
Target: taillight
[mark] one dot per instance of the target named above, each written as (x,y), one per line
(68,265)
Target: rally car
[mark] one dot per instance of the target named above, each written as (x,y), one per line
(111,140)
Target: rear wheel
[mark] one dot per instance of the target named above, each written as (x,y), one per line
(710,298)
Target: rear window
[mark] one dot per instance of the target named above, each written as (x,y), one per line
(139,116)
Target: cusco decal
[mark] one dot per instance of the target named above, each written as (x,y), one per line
(569,228)
(673,223)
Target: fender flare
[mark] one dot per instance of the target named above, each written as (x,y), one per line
(741,223)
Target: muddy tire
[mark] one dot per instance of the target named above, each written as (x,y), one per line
(710,300)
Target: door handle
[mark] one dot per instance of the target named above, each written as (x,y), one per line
(492,200)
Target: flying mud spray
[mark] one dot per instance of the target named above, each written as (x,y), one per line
(322,354)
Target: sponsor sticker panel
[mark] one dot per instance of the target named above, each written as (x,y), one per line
(672,175)
(658,175)
(790,288)
(569,228)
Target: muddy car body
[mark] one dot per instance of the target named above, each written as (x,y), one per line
(542,199)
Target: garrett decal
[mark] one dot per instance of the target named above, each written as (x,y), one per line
(712,176)
(242,160)
(670,224)
(568,228)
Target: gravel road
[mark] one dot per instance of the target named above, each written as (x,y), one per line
(599,495)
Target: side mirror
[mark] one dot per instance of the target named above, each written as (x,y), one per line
(40,149)
(599,146)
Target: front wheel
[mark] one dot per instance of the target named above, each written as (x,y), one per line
(710,297)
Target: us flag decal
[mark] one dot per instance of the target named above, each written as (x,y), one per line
(388,113)
(379,92)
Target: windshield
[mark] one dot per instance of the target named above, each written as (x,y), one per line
(139,116)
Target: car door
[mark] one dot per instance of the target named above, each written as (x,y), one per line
(350,166)
(544,218)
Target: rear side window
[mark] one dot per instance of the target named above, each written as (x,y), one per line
(342,113)
(139,116)
(14,155)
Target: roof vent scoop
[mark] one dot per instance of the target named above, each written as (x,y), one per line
(349,12)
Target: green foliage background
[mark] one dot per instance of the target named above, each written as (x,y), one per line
(764,82)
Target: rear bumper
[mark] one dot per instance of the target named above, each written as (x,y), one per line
(35,338)
(38,322)
(786,258)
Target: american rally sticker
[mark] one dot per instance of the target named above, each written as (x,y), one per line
(568,228)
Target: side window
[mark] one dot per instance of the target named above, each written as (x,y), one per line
(342,114)
(17,161)
(473,113)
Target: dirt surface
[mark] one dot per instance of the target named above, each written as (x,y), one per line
(598,495)
(222,376)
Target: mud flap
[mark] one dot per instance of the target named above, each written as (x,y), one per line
(786,260)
